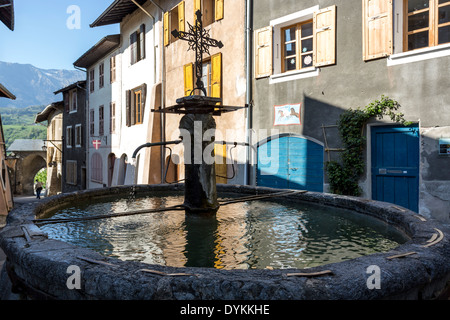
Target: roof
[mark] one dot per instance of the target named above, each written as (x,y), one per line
(44,114)
(4,93)
(7,13)
(118,10)
(72,86)
(26,145)
(98,51)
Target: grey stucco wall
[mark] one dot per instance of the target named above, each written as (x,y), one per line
(420,87)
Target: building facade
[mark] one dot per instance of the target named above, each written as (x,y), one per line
(103,89)
(127,97)
(224,77)
(53,116)
(315,59)
(73,131)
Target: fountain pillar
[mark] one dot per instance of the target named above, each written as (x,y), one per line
(200,174)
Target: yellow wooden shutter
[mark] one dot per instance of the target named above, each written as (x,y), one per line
(197,6)
(263,52)
(219,9)
(181,16)
(324,22)
(188,78)
(220,152)
(216,75)
(377,29)
(166,28)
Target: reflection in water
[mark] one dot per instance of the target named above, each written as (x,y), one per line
(255,234)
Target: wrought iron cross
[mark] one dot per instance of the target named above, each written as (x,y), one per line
(200,42)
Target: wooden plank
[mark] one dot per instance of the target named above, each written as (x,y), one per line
(324,24)
(377,28)
(263,52)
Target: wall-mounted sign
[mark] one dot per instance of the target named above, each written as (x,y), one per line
(97,144)
(444,146)
(288,114)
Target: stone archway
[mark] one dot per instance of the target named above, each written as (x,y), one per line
(31,165)
(23,170)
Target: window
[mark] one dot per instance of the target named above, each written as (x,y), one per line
(97,168)
(69,137)
(101,120)
(112,70)
(71,172)
(418,24)
(73,101)
(137,45)
(101,77)
(173,19)
(427,23)
(295,42)
(92,123)
(92,80)
(297,50)
(212,77)
(135,105)
(112,112)
(212,10)
(78,135)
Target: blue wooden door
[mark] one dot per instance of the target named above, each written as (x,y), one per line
(291,162)
(395,165)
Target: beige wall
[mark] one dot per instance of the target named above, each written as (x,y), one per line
(231,31)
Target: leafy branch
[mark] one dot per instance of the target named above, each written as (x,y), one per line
(344,176)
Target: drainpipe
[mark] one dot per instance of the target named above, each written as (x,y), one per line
(162,115)
(249,94)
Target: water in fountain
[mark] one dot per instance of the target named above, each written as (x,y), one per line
(256,234)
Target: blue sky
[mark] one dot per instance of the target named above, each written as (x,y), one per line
(42,36)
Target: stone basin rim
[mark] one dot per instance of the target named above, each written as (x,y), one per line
(346,280)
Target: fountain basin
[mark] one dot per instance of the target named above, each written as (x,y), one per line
(417,269)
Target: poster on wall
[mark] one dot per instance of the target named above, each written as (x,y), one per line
(288,114)
(444,146)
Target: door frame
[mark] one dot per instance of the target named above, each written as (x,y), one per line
(367,186)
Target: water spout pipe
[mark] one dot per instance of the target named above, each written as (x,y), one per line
(153,144)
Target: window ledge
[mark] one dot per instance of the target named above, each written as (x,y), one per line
(419,55)
(294,75)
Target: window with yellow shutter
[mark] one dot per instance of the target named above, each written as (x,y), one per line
(212,10)
(174,19)
(220,154)
(188,70)
(211,77)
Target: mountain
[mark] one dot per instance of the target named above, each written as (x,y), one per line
(33,86)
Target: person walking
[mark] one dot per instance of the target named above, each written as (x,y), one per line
(38,188)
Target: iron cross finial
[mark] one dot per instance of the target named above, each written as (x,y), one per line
(200,42)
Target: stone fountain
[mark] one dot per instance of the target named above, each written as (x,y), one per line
(42,268)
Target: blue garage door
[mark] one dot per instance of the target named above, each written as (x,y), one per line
(291,162)
(395,165)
